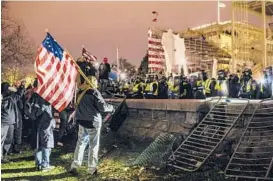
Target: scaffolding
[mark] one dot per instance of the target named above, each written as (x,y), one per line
(260,47)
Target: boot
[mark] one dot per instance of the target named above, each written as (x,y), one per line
(17,149)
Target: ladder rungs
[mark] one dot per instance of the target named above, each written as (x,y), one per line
(217,119)
(253,153)
(245,171)
(205,121)
(214,125)
(252,159)
(190,155)
(205,137)
(260,127)
(184,163)
(191,150)
(203,141)
(249,164)
(209,129)
(196,147)
(198,143)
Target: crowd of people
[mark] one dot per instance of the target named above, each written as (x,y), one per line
(199,87)
(25,113)
(22,107)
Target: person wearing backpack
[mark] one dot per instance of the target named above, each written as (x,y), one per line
(90,105)
(104,71)
(39,112)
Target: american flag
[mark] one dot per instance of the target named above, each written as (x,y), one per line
(56,73)
(156,56)
(88,55)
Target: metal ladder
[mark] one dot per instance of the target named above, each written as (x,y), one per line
(210,132)
(253,156)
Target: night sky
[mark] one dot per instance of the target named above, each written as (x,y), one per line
(102,26)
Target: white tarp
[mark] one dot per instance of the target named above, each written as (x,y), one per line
(168,46)
(174,48)
(214,68)
(179,52)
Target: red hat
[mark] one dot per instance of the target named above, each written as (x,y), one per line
(105,59)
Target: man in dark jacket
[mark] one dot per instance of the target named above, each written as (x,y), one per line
(43,124)
(104,71)
(90,104)
(8,114)
(234,86)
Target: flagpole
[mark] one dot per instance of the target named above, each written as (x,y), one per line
(117,59)
(218,10)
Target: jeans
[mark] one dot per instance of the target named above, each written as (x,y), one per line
(42,157)
(7,132)
(87,136)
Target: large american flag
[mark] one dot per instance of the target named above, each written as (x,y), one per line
(56,74)
(156,56)
(88,55)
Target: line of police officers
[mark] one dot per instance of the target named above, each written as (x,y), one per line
(180,87)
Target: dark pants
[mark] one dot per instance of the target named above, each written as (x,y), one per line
(103,85)
(18,131)
(63,124)
(7,132)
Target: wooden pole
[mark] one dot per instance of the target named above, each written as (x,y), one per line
(264,34)
(233,58)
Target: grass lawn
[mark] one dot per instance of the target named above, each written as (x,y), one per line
(113,166)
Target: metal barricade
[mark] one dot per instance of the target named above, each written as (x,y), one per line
(253,156)
(209,133)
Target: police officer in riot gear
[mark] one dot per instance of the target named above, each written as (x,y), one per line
(248,87)
(185,88)
(266,86)
(221,86)
(208,84)
(234,85)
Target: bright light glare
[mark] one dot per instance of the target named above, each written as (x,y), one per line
(262,81)
(122,76)
(96,64)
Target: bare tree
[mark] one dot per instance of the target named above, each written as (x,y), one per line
(127,66)
(17,55)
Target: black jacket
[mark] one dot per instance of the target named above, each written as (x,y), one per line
(8,106)
(89,109)
(104,71)
(43,123)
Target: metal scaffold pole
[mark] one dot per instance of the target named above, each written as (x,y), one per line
(264,34)
(233,59)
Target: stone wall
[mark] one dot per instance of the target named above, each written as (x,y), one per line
(148,118)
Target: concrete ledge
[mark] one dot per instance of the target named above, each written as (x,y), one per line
(185,105)
(147,118)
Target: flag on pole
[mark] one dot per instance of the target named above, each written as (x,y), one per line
(156,54)
(221,4)
(56,74)
(155,16)
(88,55)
